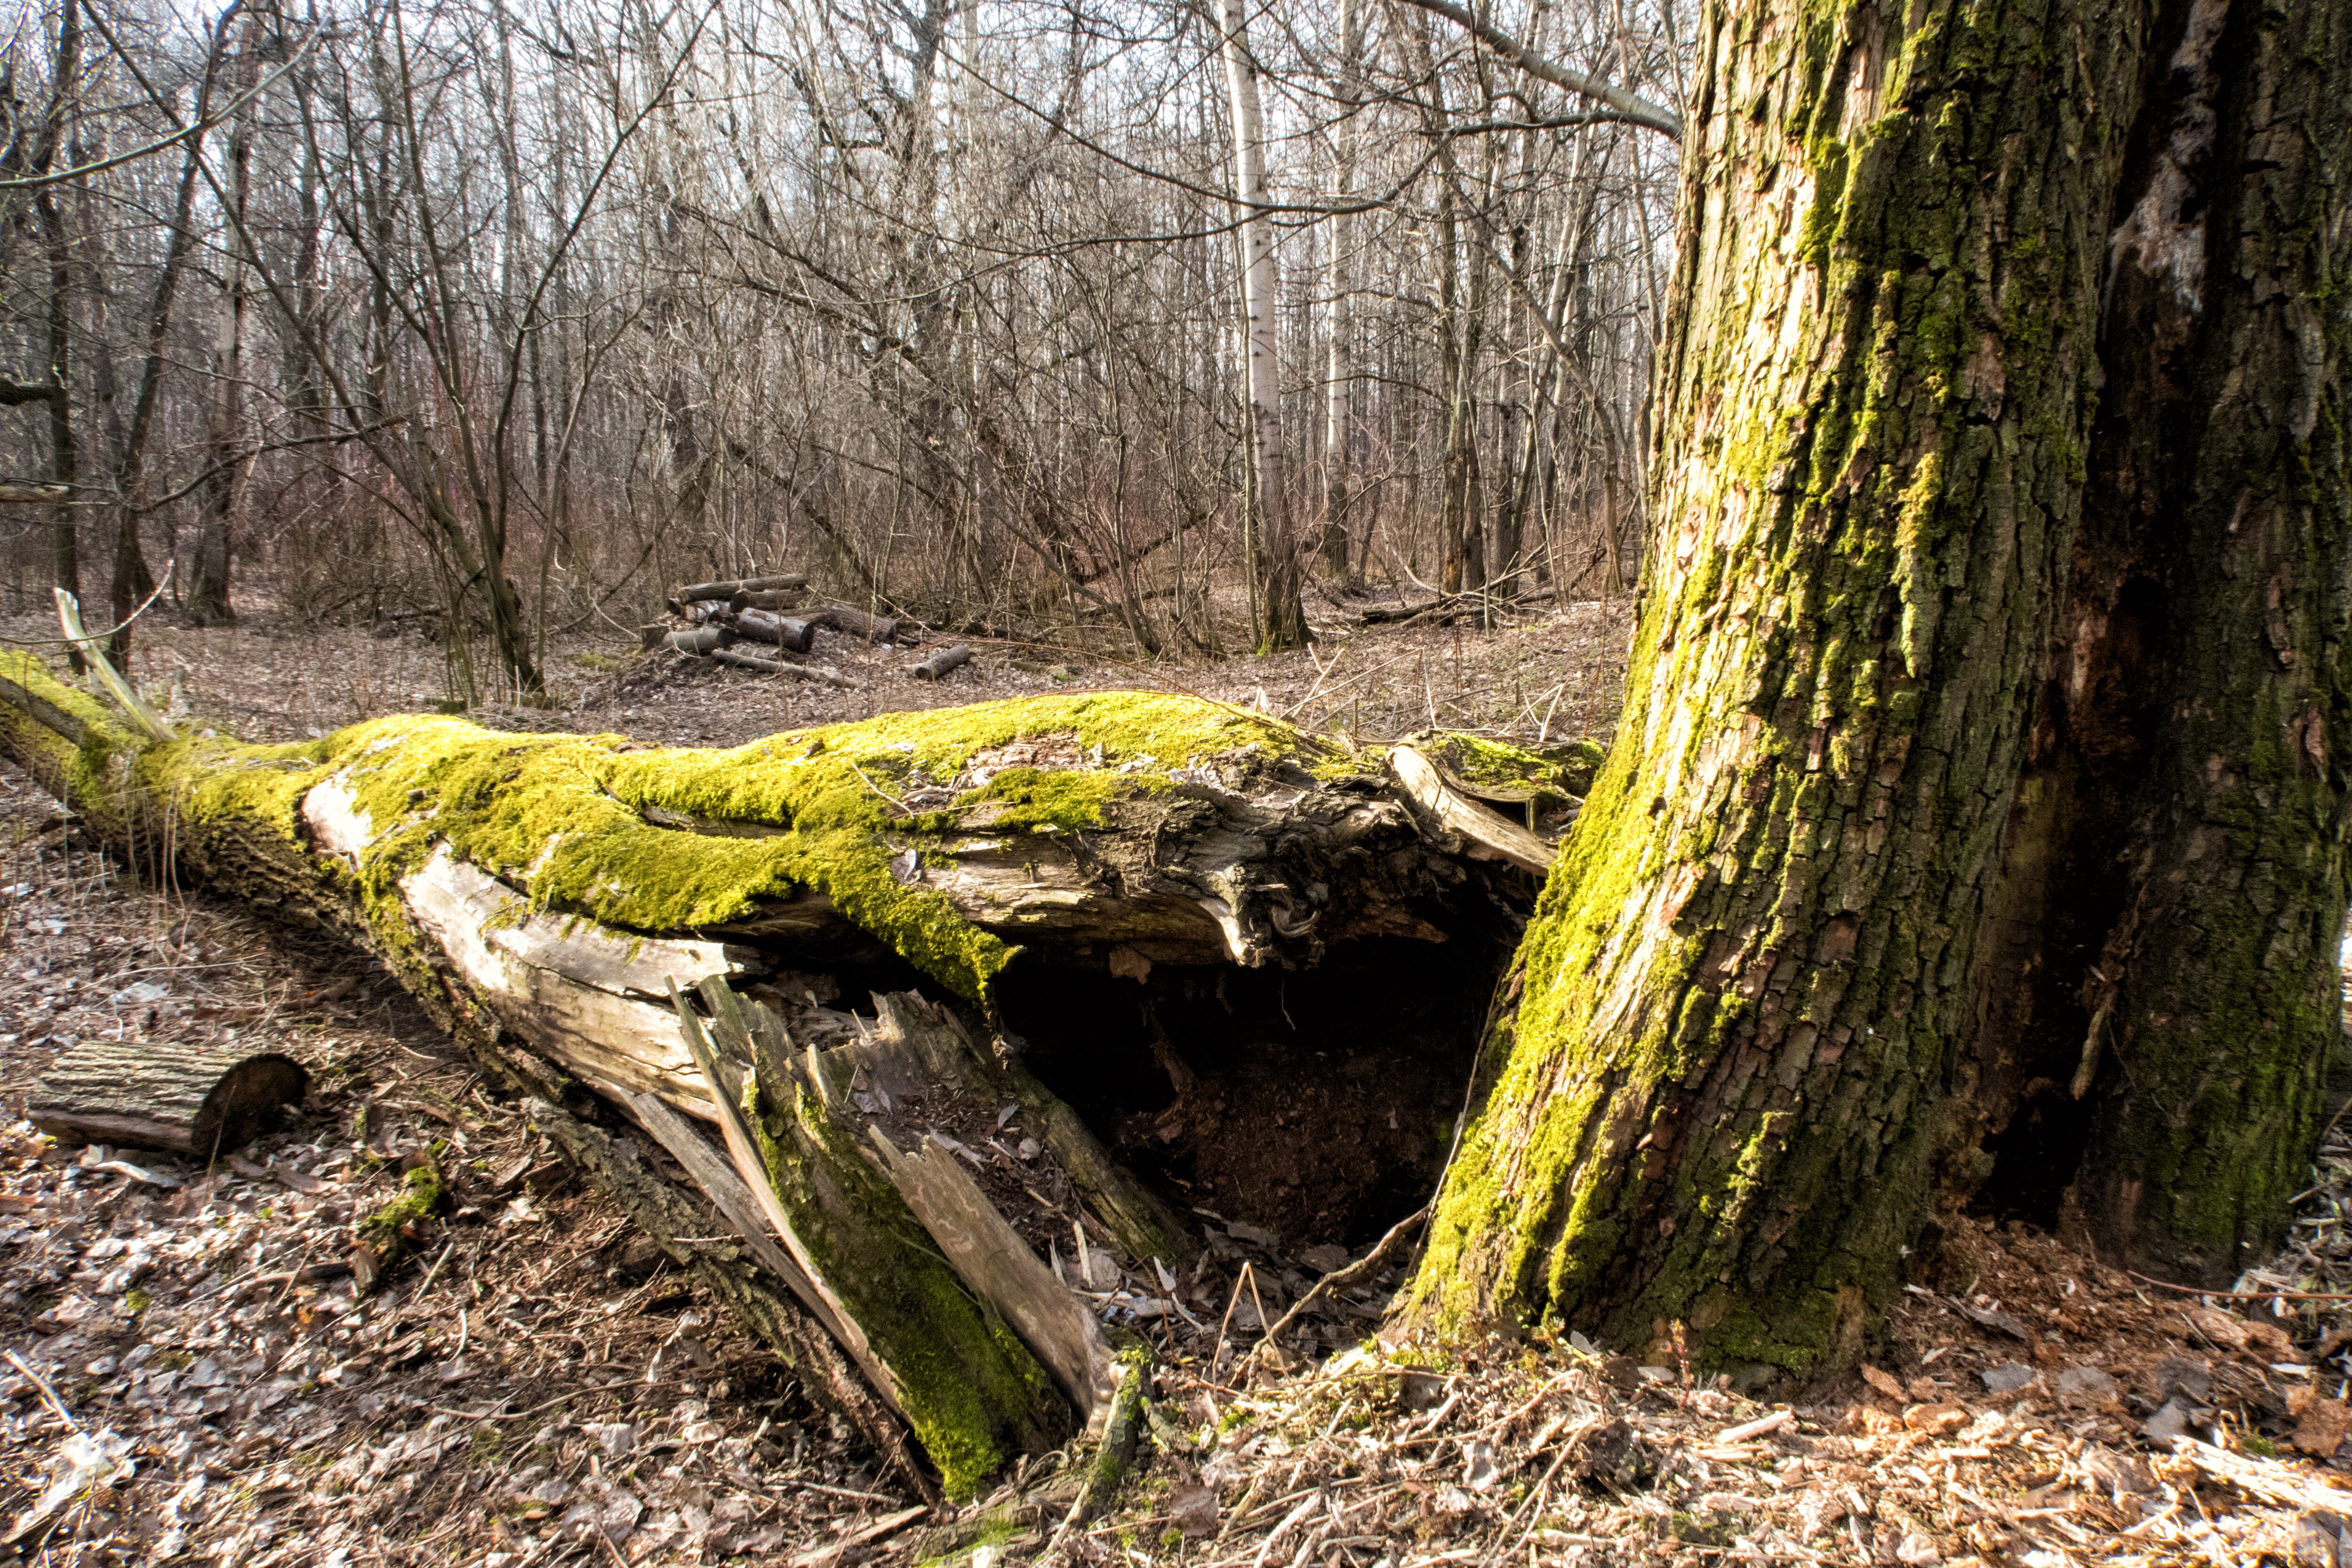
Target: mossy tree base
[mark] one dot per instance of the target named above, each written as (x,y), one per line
(1979,809)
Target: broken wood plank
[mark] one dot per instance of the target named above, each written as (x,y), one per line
(1486,833)
(1005,1272)
(732,1197)
(972,1394)
(194,1100)
(1144,1224)
(678,1219)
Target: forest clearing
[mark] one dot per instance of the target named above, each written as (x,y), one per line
(968,781)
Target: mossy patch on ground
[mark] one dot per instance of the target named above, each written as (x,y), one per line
(389,1236)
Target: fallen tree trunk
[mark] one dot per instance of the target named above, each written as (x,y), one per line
(728,587)
(765,599)
(1058,872)
(871,629)
(940,665)
(700,639)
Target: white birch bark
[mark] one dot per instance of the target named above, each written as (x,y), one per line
(1338,380)
(1282,621)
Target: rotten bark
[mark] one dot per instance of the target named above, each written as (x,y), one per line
(1075,834)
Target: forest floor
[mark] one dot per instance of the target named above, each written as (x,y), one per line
(188,1370)
(1553,676)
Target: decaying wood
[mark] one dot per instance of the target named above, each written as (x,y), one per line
(1005,1272)
(902,1311)
(164,1094)
(682,1225)
(580,994)
(765,599)
(824,675)
(743,1149)
(1486,833)
(875,1270)
(760,626)
(729,1193)
(728,587)
(1144,1224)
(151,724)
(918,1049)
(940,664)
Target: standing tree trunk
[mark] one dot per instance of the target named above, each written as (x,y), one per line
(208,592)
(1340,375)
(56,244)
(1281,615)
(1895,826)
(132,581)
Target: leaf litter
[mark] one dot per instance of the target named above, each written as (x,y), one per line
(193,1374)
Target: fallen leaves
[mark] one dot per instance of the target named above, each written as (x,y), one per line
(2324,1425)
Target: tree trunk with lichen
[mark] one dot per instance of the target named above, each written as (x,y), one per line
(1976,826)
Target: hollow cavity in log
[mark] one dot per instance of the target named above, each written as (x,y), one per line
(1149,932)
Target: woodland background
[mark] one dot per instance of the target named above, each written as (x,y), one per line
(512,315)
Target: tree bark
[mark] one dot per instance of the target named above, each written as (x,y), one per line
(1905,561)
(132,581)
(208,603)
(56,243)
(192,1098)
(1281,612)
(2187,735)
(1339,352)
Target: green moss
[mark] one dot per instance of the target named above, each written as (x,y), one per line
(1483,762)
(967,1385)
(592,823)
(1115,1454)
(955,1542)
(390,1232)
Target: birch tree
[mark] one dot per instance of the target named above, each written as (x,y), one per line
(1273,564)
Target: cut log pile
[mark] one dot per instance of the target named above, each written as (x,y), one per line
(762,623)
(648,939)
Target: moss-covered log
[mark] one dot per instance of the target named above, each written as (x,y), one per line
(1986,739)
(547,895)
(972,1390)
